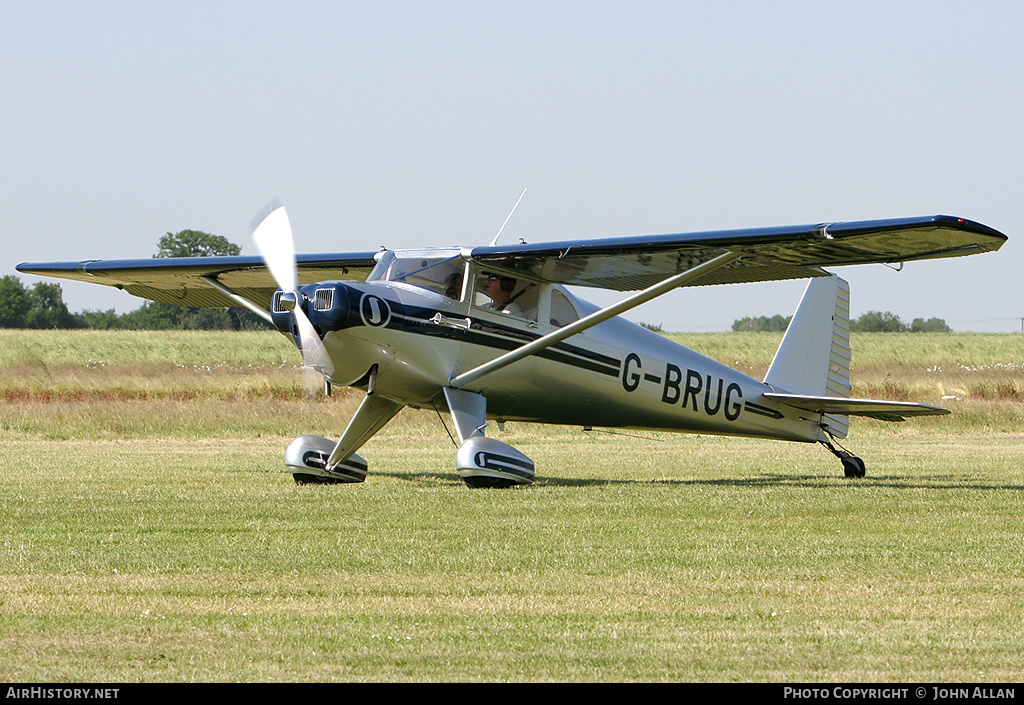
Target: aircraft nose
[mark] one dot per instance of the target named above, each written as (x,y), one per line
(326,304)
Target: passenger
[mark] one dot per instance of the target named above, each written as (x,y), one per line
(453,286)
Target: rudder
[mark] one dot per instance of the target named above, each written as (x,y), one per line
(814,356)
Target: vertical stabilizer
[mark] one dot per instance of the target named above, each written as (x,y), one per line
(814,356)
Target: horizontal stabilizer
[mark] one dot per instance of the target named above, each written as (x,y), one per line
(882,410)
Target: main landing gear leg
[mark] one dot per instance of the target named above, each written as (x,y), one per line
(483,462)
(852,465)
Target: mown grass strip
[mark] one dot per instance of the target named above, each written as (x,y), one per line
(709,559)
(155,539)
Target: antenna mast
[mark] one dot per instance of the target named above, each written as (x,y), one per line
(495,240)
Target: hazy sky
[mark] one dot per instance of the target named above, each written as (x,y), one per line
(420,123)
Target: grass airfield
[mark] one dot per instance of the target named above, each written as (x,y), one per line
(151,534)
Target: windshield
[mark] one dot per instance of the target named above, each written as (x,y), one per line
(441,274)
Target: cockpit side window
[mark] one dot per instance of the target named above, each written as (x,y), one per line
(562,311)
(506,295)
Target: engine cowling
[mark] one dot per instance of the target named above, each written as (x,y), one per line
(326,304)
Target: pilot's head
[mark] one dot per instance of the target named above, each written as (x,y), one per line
(505,284)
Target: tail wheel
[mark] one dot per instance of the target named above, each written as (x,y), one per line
(853,466)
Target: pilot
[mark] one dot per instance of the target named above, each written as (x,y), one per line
(499,289)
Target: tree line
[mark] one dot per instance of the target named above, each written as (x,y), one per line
(42,305)
(870,322)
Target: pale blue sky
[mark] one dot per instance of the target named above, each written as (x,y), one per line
(420,123)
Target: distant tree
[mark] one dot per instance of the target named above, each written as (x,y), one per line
(932,325)
(878,322)
(99,320)
(656,327)
(48,309)
(156,315)
(195,243)
(42,306)
(153,315)
(774,323)
(15,302)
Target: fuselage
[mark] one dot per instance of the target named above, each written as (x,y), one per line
(412,339)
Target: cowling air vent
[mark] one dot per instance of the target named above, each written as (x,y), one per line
(276,307)
(323,300)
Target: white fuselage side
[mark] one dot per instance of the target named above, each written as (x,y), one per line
(615,374)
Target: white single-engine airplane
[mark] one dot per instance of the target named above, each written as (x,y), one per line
(492,333)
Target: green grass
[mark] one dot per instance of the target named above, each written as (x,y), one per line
(156,538)
(98,348)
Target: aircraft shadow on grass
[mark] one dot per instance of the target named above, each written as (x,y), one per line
(808,481)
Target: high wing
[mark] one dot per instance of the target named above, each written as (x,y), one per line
(187,281)
(766,254)
(620,264)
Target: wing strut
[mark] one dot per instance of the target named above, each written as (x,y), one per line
(593,319)
(212,281)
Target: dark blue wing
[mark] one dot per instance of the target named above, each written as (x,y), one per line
(621,264)
(794,252)
(179,280)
